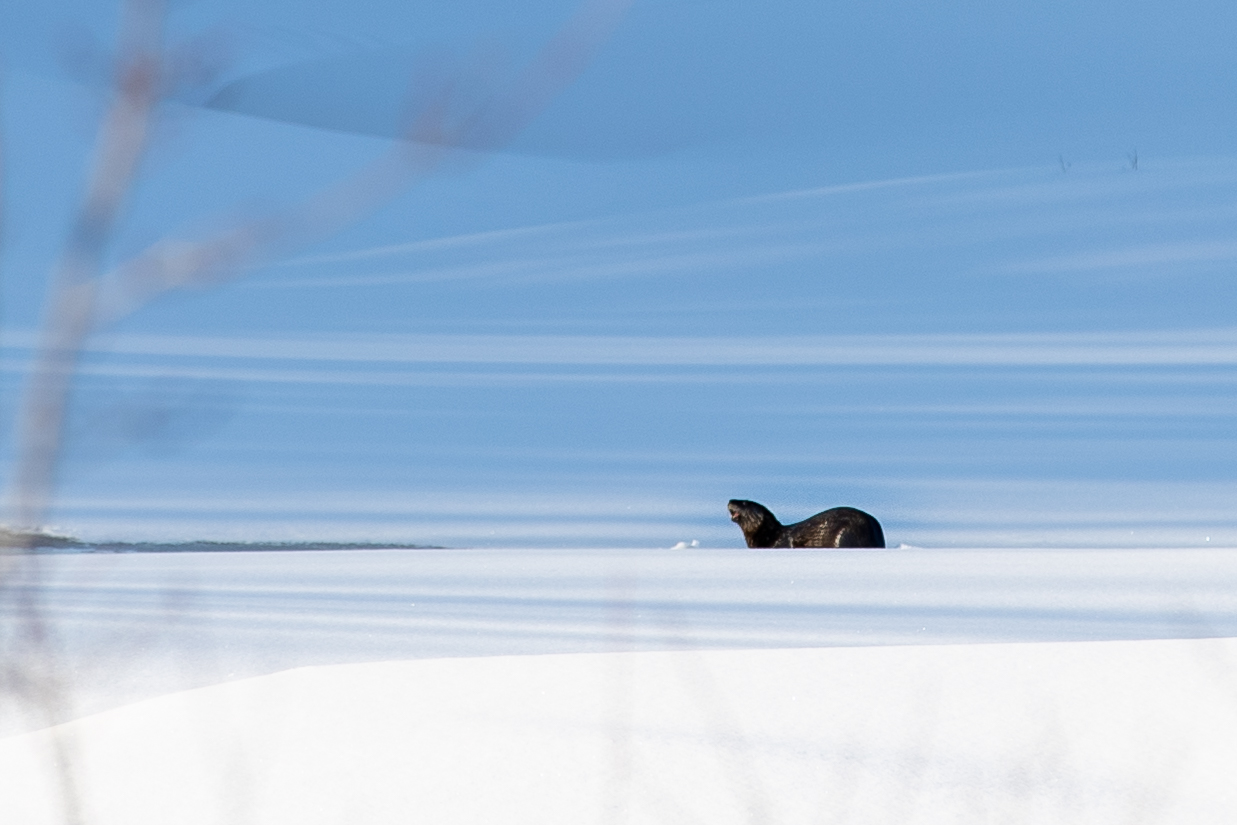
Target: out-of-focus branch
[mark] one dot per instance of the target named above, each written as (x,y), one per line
(68,318)
(82,299)
(563,58)
(30,670)
(2,179)
(434,137)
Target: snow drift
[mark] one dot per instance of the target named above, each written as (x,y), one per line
(1080,732)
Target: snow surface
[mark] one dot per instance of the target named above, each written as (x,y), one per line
(577,686)
(127,627)
(1107,732)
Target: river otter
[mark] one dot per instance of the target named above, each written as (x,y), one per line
(839,527)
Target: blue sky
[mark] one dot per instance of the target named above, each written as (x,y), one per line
(896,256)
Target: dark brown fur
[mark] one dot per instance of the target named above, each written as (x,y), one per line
(839,527)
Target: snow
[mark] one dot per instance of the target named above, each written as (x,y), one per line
(1092,732)
(684,685)
(131,626)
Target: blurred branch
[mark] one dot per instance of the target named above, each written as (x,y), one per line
(83,299)
(434,136)
(30,668)
(69,317)
(2,178)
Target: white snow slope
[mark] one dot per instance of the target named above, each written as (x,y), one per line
(1090,732)
(1121,728)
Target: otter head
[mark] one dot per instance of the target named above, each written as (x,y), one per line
(760,527)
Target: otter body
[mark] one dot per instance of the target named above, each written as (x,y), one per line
(839,527)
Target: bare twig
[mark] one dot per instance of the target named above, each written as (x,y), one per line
(2,179)
(84,297)
(31,671)
(69,316)
(84,300)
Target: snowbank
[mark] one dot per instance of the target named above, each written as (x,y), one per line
(1085,732)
